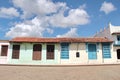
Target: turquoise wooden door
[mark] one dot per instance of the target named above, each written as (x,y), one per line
(92,52)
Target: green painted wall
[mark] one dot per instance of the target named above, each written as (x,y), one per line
(26,52)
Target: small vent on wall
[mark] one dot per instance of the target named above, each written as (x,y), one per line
(77,54)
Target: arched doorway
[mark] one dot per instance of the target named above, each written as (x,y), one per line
(118,53)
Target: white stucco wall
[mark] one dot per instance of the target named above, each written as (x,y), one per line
(114,29)
(3,59)
(115,48)
(83,59)
(73,60)
(113,59)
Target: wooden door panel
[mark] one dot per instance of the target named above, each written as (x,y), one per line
(37,48)
(50,55)
(16,50)
(37,55)
(92,51)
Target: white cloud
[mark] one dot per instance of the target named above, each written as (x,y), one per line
(71,33)
(48,15)
(37,7)
(8,12)
(75,17)
(107,7)
(33,28)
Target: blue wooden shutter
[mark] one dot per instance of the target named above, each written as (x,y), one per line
(106,50)
(64,50)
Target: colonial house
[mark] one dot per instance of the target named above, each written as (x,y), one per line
(4,44)
(112,33)
(60,51)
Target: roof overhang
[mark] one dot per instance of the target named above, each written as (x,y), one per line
(116,33)
(58,40)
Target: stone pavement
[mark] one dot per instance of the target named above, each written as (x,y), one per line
(107,72)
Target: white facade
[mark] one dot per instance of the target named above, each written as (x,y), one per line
(108,32)
(112,32)
(73,48)
(3,59)
(83,59)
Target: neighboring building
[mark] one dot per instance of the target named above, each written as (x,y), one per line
(4,44)
(112,33)
(61,51)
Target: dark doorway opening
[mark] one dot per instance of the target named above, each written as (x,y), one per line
(50,51)
(16,52)
(4,50)
(118,54)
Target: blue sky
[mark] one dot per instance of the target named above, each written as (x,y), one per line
(56,18)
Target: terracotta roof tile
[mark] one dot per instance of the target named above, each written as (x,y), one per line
(58,40)
(4,41)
